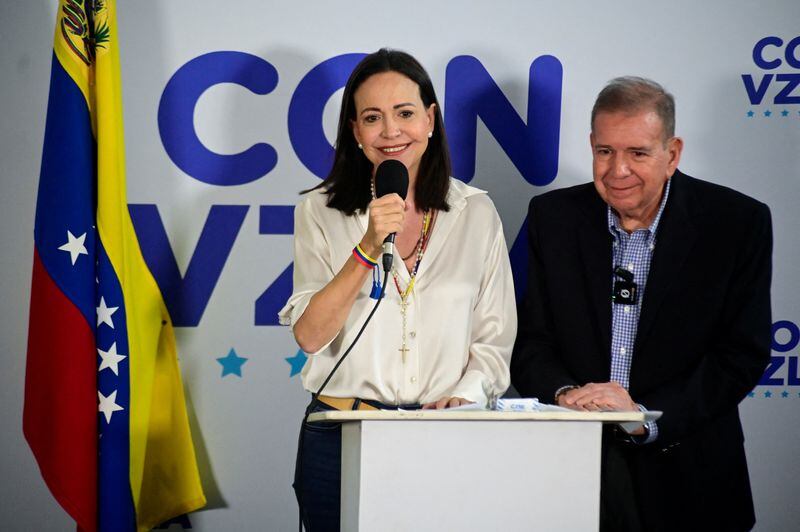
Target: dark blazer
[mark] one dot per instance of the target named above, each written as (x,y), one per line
(702,344)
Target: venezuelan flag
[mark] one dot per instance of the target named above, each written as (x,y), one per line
(104,407)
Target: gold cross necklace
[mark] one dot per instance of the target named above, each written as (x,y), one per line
(406,294)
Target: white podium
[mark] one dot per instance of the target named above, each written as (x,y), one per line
(471,470)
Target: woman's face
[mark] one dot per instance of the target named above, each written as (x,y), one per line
(391,120)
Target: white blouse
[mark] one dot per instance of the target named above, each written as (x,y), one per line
(461,315)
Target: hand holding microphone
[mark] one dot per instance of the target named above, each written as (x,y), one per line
(386,215)
(387,211)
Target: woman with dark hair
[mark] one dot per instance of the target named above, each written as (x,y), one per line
(443,335)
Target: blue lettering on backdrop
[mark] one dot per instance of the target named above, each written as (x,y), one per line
(305,111)
(767,56)
(270,302)
(758,53)
(784,97)
(186,297)
(756,94)
(777,362)
(791,52)
(176,118)
(472,94)
(275,220)
(794,336)
(792,376)
(532,147)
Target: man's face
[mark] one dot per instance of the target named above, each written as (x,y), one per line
(631,164)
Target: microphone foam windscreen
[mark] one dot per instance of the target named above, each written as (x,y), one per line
(391,177)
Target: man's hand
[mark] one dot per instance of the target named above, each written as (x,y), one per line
(601,397)
(598,397)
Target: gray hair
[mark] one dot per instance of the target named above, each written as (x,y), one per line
(632,94)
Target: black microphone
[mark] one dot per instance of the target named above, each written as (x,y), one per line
(390,177)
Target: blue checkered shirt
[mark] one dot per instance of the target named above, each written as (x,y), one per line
(632,252)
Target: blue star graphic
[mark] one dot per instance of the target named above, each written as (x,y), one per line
(767,113)
(232,364)
(784,113)
(768,394)
(785,394)
(750,114)
(751,394)
(297,362)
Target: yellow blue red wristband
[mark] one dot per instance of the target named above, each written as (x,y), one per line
(363,258)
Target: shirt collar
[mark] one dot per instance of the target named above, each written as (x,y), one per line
(458,192)
(616,229)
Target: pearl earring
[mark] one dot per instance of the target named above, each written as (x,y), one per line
(360,146)
(430,134)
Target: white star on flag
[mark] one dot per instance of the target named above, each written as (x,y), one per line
(110,359)
(74,246)
(108,405)
(104,313)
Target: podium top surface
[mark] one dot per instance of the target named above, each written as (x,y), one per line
(480,415)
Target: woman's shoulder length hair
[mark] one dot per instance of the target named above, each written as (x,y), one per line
(348,183)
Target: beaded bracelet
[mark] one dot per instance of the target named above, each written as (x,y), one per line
(363,258)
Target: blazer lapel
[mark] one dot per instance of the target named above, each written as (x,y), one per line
(595,248)
(675,238)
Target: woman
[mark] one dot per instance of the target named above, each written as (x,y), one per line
(443,334)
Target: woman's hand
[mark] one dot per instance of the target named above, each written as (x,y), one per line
(446,402)
(386,215)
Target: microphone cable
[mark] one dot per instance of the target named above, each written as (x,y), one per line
(315,401)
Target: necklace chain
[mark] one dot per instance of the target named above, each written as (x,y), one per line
(406,294)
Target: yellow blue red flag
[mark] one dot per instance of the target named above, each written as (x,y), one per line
(104,413)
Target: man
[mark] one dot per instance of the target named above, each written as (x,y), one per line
(651,290)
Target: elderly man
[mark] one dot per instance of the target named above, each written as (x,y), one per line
(650,289)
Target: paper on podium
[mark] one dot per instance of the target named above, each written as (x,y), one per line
(533,405)
(508,405)
(526,405)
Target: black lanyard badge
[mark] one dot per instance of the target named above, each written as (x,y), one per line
(625,290)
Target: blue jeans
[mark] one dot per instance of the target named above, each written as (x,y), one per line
(317,475)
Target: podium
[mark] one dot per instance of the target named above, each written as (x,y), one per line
(437,470)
